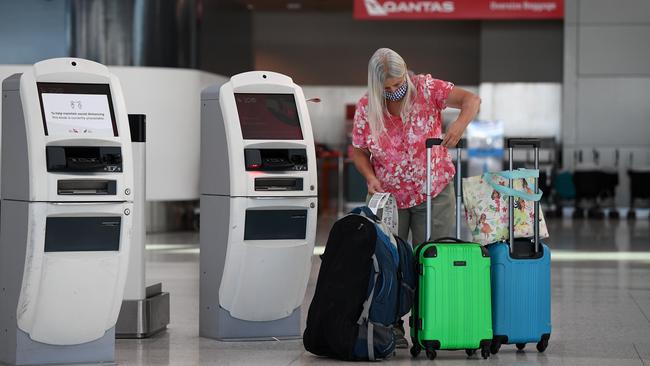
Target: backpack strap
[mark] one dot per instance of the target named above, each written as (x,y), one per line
(371,341)
(366,312)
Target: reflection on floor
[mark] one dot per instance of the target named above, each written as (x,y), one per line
(601,305)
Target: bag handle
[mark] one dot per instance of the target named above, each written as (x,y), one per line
(515,174)
(519,173)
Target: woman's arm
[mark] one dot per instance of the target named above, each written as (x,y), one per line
(361,159)
(468,103)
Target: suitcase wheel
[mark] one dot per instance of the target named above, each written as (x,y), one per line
(541,345)
(431,354)
(485,353)
(521,346)
(495,346)
(415,350)
(470,352)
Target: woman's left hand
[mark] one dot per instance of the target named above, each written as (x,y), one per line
(454,133)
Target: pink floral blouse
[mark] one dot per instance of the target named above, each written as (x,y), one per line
(399,157)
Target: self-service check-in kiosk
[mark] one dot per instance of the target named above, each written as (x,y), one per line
(67,180)
(258,207)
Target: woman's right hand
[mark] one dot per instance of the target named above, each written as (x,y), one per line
(374,186)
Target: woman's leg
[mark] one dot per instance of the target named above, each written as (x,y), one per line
(443,222)
(443,217)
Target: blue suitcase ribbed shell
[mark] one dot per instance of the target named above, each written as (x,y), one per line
(521,295)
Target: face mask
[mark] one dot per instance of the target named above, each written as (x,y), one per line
(398,94)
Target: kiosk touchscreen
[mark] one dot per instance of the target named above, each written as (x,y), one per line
(66,204)
(258,207)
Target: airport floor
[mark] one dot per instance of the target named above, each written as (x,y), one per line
(600,305)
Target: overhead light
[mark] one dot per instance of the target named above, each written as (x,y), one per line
(250,6)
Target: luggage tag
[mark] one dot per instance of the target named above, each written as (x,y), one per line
(384,206)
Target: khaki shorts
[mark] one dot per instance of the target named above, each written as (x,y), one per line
(413,220)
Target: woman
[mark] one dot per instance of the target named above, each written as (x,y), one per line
(392,121)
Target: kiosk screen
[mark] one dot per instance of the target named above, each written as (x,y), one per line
(268,116)
(81,110)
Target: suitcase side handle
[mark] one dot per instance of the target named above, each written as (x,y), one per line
(449,239)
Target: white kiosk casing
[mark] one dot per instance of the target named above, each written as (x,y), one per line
(258,207)
(67,180)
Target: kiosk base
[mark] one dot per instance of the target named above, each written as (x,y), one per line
(230,329)
(144,318)
(29,352)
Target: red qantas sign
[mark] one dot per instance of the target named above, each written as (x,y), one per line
(458,9)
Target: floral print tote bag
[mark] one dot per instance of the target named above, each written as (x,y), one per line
(486,205)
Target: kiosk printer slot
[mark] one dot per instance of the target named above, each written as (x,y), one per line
(67,179)
(258,207)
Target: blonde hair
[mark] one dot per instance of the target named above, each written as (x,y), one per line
(384,64)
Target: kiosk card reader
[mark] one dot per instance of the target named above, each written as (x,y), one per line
(258,207)
(67,181)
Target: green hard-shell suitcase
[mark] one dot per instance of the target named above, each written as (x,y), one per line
(452,308)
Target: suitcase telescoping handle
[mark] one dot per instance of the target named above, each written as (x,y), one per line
(523,142)
(430,143)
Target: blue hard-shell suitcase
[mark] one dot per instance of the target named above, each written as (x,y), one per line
(521,282)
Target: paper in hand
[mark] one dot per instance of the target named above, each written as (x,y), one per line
(385,207)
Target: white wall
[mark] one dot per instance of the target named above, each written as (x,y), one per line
(607,82)
(526,109)
(328,116)
(171,100)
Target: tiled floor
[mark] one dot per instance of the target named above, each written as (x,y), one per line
(601,305)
